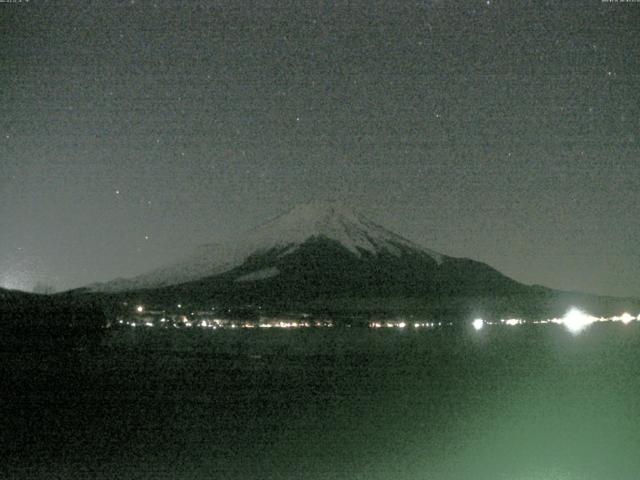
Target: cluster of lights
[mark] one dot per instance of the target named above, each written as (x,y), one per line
(403,324)
(288,324)
(574,320)
(387,324)
(181,321)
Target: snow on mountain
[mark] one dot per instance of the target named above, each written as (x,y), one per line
(329,220)
(336,222)
(262,274)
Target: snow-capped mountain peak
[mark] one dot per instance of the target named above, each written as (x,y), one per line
(320,220)
(334,221)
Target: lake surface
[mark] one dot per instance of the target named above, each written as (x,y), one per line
(528,402)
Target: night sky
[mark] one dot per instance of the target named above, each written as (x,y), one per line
(504,131)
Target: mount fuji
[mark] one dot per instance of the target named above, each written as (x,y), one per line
(327,256)
(322,242)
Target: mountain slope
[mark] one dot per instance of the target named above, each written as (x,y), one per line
(283,235)
(324,257)
(323,269)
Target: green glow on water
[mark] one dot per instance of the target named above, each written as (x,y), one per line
(533,402)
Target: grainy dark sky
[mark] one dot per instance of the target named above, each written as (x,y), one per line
(505,131)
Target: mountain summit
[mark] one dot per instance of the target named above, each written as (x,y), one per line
(328,221)
(326,257)
(321,256)
(333,221)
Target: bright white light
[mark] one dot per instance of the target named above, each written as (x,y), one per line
(478,323)
(402,325)
(576,320)
(626,318)
(139,309)
(149,324)
(512,322)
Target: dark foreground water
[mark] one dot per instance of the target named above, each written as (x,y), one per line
(518,403)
